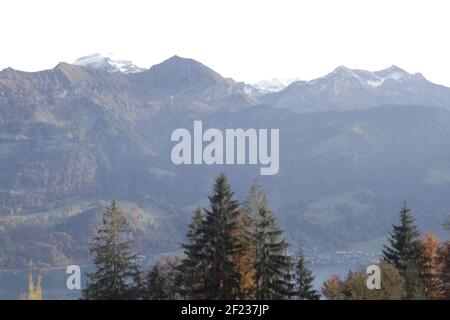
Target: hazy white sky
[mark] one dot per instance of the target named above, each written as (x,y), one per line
(243,39)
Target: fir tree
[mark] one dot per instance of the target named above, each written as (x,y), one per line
(272,264)
(221,279)
(155,286)
(117,273)
(192,267)
(404,249)
(304,280)
(287,290)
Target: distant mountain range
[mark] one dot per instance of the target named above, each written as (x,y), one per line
(342,89)
(350,89)
(354,145)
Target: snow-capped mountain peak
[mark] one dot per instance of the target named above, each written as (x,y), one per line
(393,73)
(345,88)
(108,62)
(274,84)
(369,79)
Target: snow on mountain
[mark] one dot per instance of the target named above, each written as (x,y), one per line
(274,84)
(381,77)
(372,78)
(108,62)
(350,89)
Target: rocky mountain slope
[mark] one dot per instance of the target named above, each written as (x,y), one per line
(74,137)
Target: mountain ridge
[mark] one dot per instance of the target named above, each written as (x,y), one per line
(341,89)
(74,137)
(346,89)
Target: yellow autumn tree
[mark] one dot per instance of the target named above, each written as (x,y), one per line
(354,286)
(332,288)
(34,291)
(427,267)
(245,258)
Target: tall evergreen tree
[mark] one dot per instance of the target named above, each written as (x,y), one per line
(272,264)
(221,279)
(155,287)
(117,273)
(192,267)
(288,283)
(304,280)
(404,249)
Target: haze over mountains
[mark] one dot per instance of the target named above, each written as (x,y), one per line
(354,145)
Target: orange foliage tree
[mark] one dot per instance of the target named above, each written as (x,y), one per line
(427,267)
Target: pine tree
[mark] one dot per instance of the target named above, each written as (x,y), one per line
(272,264)
(117,273)
(222,278)
(192,267)
(155,285)
(304,283)
(403,249)
(288,282)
